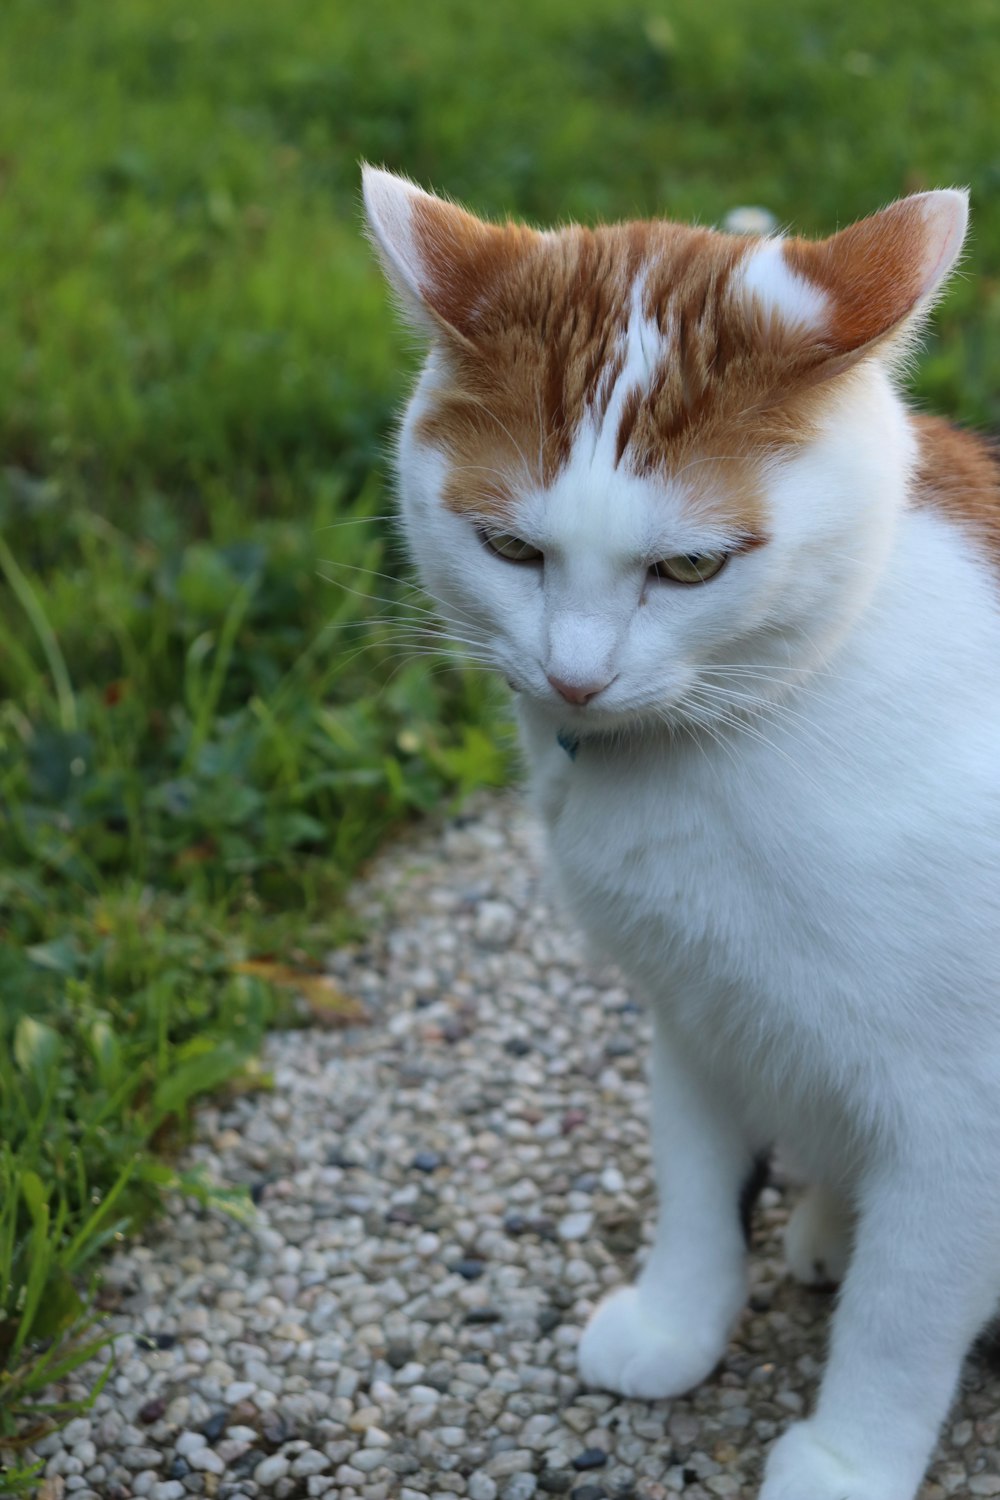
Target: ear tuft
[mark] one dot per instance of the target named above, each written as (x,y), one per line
(886,270)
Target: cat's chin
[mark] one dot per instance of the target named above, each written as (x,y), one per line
(591,722)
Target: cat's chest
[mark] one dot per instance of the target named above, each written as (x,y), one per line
(658,845)
(759,866)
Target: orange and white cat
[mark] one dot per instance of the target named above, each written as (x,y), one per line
(663,479)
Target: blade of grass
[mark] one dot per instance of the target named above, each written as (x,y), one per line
(28,600)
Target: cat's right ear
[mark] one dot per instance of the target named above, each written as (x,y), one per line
(443,263)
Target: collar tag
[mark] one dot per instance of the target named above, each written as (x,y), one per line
(568,742)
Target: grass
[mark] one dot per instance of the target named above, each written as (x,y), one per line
(199,367)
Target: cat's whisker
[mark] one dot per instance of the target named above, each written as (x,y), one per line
(743,720)
(390,519)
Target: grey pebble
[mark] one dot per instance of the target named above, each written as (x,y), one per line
(271,1469)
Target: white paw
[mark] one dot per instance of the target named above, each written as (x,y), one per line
(818,1240)
(630,1348)
(802,1467)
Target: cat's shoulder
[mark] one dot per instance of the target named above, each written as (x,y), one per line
(958,475)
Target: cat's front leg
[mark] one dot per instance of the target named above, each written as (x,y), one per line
(923,1279)
(666,1333)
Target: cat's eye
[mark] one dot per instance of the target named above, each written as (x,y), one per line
(690,567)
(513,548)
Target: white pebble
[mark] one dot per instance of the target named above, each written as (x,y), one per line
(271,1469)
(207,1460)
(240,1390)
(575,1226)
(190,1442)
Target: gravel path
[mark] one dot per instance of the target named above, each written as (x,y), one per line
(442,1196)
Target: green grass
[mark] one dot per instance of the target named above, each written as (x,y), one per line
(198,369)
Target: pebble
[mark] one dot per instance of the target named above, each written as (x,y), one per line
(519,1487)
(590,1458)
(207,1461)
(576,1226)
(269,1470)
(190,1442)
(442,1196)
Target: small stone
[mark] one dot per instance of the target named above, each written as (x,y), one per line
(369,1459)
(519,1487)
(274,1429)
(189,1442)
(309,1462)
(517,1046)
(589,1492)
(576,1226)
(470,1270)
(452,1437)
(365,1417)
(269,1470)
(590,1458)
(207,1460)
(555,1481)
(514,1461)
(153,1410)
(426,1161)
(239,1390)
(481,1487)
(167,1489)
(496,923)
(476,1315)
(215,1426)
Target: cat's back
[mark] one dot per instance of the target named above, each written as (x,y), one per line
(958,478)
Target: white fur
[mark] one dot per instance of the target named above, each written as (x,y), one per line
(946,216)
(769,279)
(389,202)
(806,888)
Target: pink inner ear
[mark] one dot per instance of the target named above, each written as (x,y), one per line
(881,270)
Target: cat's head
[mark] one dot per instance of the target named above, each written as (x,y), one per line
(648,467)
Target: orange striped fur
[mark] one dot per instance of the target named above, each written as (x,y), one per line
(532,328)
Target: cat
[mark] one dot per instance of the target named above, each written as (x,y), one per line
(663,480)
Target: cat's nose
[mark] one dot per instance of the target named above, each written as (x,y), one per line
(577,692)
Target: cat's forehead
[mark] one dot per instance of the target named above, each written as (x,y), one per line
(648,346)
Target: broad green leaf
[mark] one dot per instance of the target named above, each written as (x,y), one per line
(36,1048)
(198,1076)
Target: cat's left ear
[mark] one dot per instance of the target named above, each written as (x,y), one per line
(868,282)
(445,264)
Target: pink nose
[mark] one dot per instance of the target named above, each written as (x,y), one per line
(577,692)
